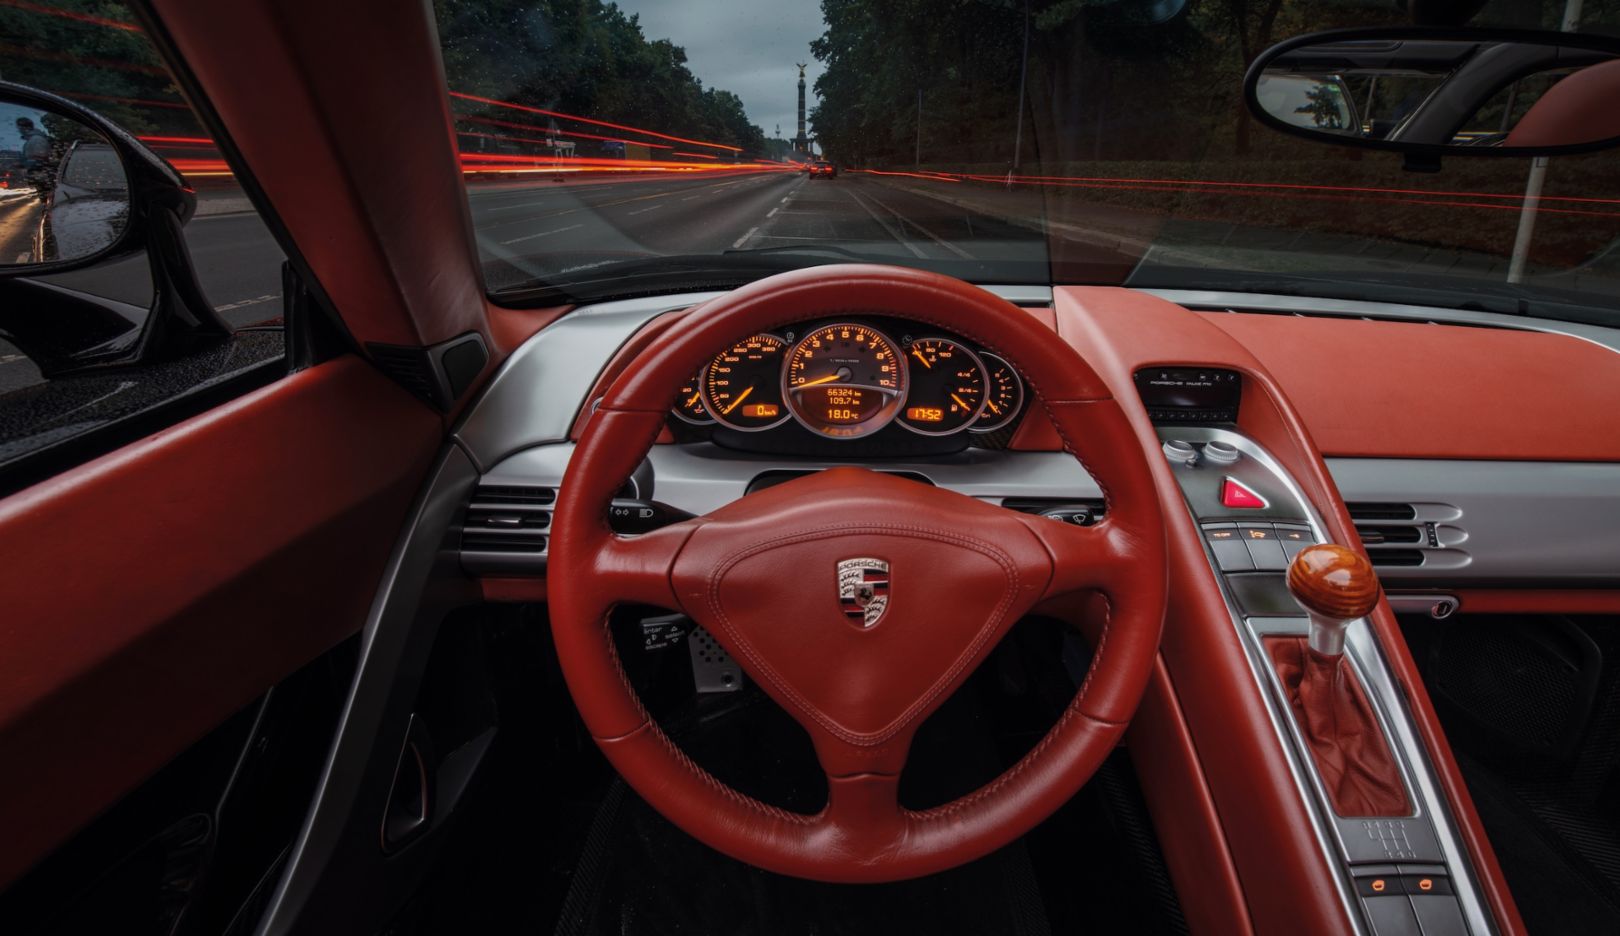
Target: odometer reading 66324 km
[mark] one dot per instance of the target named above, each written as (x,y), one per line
(844,381)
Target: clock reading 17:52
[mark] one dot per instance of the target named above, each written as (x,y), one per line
(946,391)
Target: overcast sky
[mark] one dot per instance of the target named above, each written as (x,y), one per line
(747,47)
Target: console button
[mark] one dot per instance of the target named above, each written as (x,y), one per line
(1237,495)
(1391,916)
(1230,553)
(1439,916)
(1264,547)
(1294,538)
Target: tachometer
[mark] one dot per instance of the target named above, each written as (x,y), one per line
(742,388)
(946,391)
(689,404)
(1005,396)
(844,381)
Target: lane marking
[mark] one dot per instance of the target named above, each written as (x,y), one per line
(930,234)
(690,198)
(523,205)
(773,211)
(519,240)
(245,302)
(744,239)
(644,210)
(888,228)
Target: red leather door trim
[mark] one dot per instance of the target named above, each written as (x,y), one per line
(153,592)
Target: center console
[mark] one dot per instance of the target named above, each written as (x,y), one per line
(1402,868)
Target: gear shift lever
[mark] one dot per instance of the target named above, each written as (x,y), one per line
(1335,586)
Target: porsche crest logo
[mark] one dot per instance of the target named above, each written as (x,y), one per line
(863,589)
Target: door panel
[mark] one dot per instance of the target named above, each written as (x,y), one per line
(152,593)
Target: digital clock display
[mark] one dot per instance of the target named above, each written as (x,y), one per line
(928,414)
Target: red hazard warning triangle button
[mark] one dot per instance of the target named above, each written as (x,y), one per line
(1236,494)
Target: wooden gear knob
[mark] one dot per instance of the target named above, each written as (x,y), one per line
(1335,586)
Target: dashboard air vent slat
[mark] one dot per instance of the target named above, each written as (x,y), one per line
(1364,510)
(1396,557)
(1377,535)
(507,528)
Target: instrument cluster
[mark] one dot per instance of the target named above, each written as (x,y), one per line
(849,379)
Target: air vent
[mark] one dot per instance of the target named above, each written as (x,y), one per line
(507,528)
(1381,511)
(1379,535)
(1396,557)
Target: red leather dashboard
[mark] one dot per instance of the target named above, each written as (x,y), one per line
(1417,390)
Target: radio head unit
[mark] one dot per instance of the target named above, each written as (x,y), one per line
(1190,394)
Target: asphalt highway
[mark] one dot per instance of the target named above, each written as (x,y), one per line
(535,228)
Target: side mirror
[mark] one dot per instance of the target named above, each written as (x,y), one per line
(1451,92)
(76,190)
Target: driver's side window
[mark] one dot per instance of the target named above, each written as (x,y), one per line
(81,369)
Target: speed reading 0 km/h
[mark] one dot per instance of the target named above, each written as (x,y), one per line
(844,381)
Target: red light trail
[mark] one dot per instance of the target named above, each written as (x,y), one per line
(595,123)
(572,133)
(27,7)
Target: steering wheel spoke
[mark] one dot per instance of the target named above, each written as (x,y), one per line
(1083,557)
(636,569)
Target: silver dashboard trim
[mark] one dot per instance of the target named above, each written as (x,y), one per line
(702,477)
(1515,522)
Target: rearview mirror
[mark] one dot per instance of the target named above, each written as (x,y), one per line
(1454,92)
(64,195)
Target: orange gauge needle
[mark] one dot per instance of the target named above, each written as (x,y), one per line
(694,398)
(819,380)
(959,402)
(918,355)
(993,407)
(740,397)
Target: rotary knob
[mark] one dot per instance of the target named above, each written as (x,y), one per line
(1180,453)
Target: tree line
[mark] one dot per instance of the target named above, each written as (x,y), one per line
(1107,79)
(585,57)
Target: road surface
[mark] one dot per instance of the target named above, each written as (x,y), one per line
(538,227)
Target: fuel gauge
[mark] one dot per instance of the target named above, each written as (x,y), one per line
(689,404)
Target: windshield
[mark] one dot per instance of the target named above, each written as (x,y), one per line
(644,146)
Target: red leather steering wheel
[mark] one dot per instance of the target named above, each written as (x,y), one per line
(759,575)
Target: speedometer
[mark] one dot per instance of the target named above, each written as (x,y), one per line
(742,388)
(844,381)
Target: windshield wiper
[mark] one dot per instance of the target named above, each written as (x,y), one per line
(650,275)
(801,249)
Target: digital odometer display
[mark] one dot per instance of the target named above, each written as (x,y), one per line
(946,389)
(844,381)
(742,387)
